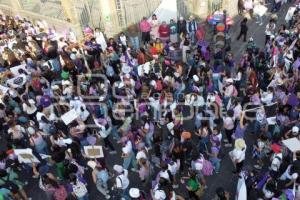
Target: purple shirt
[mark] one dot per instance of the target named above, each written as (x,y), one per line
(239,132)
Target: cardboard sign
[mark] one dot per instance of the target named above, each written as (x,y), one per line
(26,156)
(70,116)
(93,151)
(293,144)
(15,70)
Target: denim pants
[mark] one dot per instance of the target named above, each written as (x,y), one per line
(114,132)
(85,197)
(216,79)
(125,194)
(192,35)
(102,187)
(135,42)
(216,163)
(259,19)
(129,160)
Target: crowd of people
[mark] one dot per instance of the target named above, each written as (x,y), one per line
(164,110)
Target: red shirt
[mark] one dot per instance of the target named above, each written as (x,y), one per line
(164,30)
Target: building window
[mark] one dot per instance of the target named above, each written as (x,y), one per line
(214,5)
(119,12)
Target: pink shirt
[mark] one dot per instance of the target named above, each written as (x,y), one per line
(145,26)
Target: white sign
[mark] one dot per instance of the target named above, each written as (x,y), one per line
(93,151)
(292,144)
(26,156)
(70,116)
(15,70)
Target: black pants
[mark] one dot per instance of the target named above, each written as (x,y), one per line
(239,167)
(244,34)
(268,37)
(146,37)
(192,195)
(108,143)
(229,135)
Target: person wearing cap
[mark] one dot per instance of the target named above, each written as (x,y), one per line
(122,181)
(100,177)
(294,132)
(276,160)
(238,155)
(181,27)
(136,194)
(229,91)
(173,31)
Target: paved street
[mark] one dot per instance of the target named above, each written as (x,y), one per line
(224,178)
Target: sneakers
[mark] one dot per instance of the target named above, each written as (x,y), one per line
(225,140)
(228,145)
(113,152)
(260,24)
(107,196)
(175,186)
(133,170)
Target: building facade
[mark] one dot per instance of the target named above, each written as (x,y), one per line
(112,16)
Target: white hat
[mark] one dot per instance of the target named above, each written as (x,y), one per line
(68,141)
(294,176)
(295,129)
(121,84)
(195,78)
(92,164)
(160,195)
(102,98)
(67,82)
(31,130)
(153,83)
(126,69)
(118,168)
(134,193)
(54,87)
(229,80)
(181,18)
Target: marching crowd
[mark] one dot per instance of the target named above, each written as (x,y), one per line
(165,110)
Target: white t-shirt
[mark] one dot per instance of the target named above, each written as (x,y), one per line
(122,180)
(276,162)
(128,148)
(141,154)
(239,155)
(29,109)
(228,123)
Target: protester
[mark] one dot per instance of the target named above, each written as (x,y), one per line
(62,99)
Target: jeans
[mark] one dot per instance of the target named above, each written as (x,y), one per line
(216,163)
(192,35)
(85,197)
(114,132)
(102,187)
(129,160)
(259,19)
(215,79)
(135,42)
(125,194)
(148,139)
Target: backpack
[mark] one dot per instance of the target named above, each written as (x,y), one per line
(79,189)
(208,168)
(60,193)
